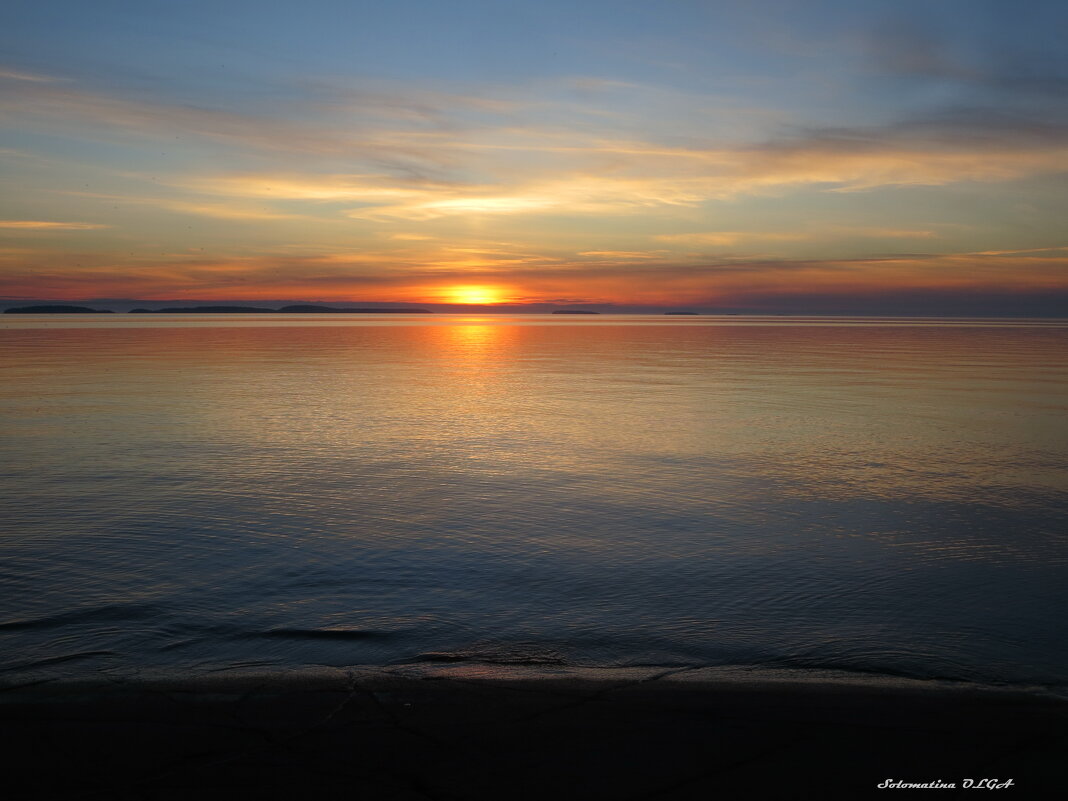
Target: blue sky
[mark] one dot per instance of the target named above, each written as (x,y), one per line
(814,156)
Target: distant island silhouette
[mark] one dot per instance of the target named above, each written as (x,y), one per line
(574,311)
(299,309)
(57,310)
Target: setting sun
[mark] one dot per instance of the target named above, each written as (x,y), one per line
(474,294)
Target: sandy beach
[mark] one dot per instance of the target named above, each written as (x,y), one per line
(470,731)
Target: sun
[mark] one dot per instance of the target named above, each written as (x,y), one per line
(481,295)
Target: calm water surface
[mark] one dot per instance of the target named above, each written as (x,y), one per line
(873,495)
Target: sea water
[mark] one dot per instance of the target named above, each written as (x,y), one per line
(878,495)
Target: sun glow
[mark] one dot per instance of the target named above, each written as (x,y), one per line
(474,294)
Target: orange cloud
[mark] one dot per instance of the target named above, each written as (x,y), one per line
(41,225)
(728,238)
(624,254)
(353,276)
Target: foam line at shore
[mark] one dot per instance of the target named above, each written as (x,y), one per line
(325,677)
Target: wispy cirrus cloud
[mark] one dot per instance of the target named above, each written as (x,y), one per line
(809,234)
(624,255)
(31,77)
(48,225)
(437,160)
(730,238)
(643,181)
(196,206)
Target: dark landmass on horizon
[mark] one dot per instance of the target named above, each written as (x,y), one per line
(1035,304)
(298,309)
(56,310)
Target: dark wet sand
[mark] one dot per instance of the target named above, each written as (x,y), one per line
(492,732)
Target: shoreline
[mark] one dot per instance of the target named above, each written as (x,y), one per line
(208,678)
(481,731)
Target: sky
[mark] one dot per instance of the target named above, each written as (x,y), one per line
(800,157)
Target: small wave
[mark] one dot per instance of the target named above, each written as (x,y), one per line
(496,656)
(327,634)
(96,613)
(886,668)
(56,660)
